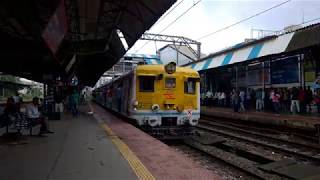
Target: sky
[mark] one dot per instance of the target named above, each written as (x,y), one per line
(211,15)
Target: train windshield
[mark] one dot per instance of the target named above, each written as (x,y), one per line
(190,86)
(146,83)
(170,83)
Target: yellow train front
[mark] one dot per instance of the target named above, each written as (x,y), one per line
(163,100)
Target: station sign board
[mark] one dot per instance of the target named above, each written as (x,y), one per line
(56,28)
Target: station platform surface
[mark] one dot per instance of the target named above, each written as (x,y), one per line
(159,160)
(306,122)
(78,150)
(94,146)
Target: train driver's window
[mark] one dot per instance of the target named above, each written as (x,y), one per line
(190,86)
(146,83)
(170,82)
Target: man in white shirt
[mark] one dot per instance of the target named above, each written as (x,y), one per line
(209,96)
(36,118)
(223,99)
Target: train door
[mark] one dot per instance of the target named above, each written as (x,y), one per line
(125,98)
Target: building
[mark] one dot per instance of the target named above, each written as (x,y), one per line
(179,54)
(286,60)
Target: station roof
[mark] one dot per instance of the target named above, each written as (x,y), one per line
(288,42)
(71,37)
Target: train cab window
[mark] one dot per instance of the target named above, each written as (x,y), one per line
(170,82)
(146,83)
(190,86)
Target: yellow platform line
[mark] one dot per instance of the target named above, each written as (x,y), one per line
(140,170)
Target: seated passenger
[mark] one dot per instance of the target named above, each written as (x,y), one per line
(36,117)
(9,113)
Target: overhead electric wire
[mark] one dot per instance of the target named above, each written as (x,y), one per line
(243,20)
(170,24)
(311,20)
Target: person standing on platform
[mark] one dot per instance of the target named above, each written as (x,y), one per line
(286,100)
(309,98)
(203,97)
(276,101)
(58,103)
(295,106)
(259,100)
(209,96)
(317,100)
(235,100)
(223,99)
(242,96)
(17,100)
(74,103)
(302,100)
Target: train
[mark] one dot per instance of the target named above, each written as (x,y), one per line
(162,100)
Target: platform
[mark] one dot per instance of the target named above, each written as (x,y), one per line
(293,121)
(159,159)
(78,150)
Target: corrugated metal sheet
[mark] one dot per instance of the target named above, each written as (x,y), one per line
(299,39)
(244,53)
(305,37)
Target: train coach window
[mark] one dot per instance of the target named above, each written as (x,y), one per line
(170,83)
(190,86)
(146,83)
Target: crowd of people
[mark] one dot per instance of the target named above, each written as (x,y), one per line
(294,100)
(13,113)
(35,111)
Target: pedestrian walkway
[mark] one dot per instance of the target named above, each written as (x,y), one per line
(292,121)
(161,161)
(78,150)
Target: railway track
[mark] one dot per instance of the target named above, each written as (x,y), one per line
(305,135)
(248,149)
(304,152)
(241,163)
(267,133)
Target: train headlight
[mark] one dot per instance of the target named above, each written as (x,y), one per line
(185,120)
(135,104)
(155,107)
(153,122)
(193,122)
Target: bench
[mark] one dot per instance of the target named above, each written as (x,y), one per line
(21,122)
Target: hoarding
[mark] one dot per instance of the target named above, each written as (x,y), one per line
(56,28)
(285,71)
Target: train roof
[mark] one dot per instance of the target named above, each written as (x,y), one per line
(158,69)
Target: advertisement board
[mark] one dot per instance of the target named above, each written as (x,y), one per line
(56,28)
(285,71)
